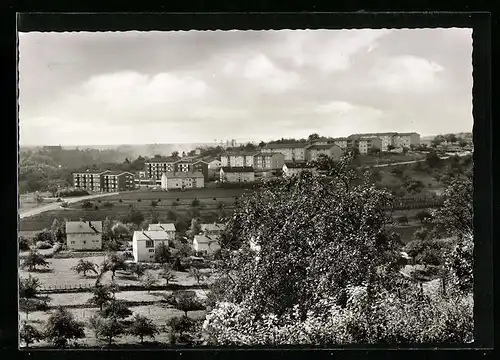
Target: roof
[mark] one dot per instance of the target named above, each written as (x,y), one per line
(319,147)
(406,134)
(212,227)
(183,174)
(286,146)
(204,239)
(374,134)
(118,173)
(189,159)
(271,153)
(340,139)
(210,159)
(92,172)
(84,227)
(297,165)
(169,159)
(368,138)
(240,153)
(161,227)
(229,169)
(150,235)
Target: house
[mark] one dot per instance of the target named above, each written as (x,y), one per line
(237,174)
(202,167)
(343,143)
(331,150)
(214,166)
(207,245)
(387,138)
(182,180)
(294,151)
(84,235)
(169,228)
(212,229)
(91,181)
(268,161)
(118,181)
(406,140)
(144,244)
(367,143)
(155,167)
(237,159)
(293,168)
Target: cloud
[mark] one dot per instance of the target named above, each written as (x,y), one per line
(261,72)
(343,109)
(406,73)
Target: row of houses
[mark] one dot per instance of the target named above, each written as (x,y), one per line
(87,235)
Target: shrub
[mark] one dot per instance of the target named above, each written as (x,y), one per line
(403,219)
(96,207)
(154,203)
(59,200)
(71,192)
(99,201)
(43,245)
(87,205)
(24,244)
(120,200)
(139,200)
(107,205)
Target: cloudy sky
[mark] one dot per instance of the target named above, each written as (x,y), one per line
(198,86)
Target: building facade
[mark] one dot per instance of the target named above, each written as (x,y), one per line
(268,161)
(406,140)
(212,229)
(154,168)
(144,244)
(114,181)
(201,166)
(205,245)
(295,151)
(182,180)
(343,143)
(90,181)
(237,174)
(84,235)
(331,150)
(365,144)
(295,168)
(237,159)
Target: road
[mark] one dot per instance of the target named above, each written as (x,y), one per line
(57,205)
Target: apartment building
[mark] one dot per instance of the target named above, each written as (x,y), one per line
(237,159)
(182,180)
(154,168)
(295,168)
(114,181)
(90,181)
(268,161)
(237,174)
(331,150)
(144,244)
(406,140)
(185,164)
(168,228)
(84,235)
(295,151)
(343,143)
(366,143)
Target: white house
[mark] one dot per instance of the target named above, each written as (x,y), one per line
(237,174)
(203,244)
(331,150)
(294,168)
(144,244)
(84,235)
(212,229)
(238,158)
(169,228)
(182,180)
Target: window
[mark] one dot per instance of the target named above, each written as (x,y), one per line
(84,241)
(72,242)
(151,250)
(149,244)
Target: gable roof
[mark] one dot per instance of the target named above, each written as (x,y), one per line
(212,227)
(374,134)
(150,235)
(204,239)
(270,153)
(183,174)
(239,169)
(117,173)
(240,153)
(84,227)
(164,159)
(321,147)
(88,172)
(161,227)
(364,138)
(406,134)
(286,146)
(298,165)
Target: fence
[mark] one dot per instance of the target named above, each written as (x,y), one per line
(76,288)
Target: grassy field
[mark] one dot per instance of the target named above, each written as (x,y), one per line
(158,313)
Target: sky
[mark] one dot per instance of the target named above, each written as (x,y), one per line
(82,88)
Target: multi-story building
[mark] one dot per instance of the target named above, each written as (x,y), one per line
(84,235)
(202,167)
(341,142)
(331,150)
(114,181)
(144,244)
(205,245)
(91,181)
(237,159)
(295,151)
(268,161)
(156,167)
(237,174)
(214,166)
(169,229)
(182,180)
(406,140)
(366,143)
(296,167)
(185,164)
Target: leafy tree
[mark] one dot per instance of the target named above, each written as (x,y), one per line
(95,323)
(111,328)
(167,274)
(116,309)
(390,147)
(423,216)
(45,236)
(119,230)
(34,259)
(61,327)
(148,281)
(138,270)
(195,203)
(84,266)
(313,137)
(28,305)
(181,324)
(29,334)
(421,234)
(101,295)
(162,253)
(188,303)
(432,159)
(24,244)
(28,287)
(134,216)
(403,219)
(175,154)
(462,143)
(461,264)
(87,205)
(113,263)
(142,326)
(451,138)
(58,230)
(196,274)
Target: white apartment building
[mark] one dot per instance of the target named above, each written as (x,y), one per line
(237,174)
(295,151)
(237,159)
(144,244)
(365,144)
(168,228)
(84,235)
(182,180)
(205,245)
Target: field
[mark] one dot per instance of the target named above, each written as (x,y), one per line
(27,201)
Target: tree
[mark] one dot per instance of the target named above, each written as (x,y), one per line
(162,253)
(313,137)
(403,219)
(61,327)
(134,216)
(181,324)
(167,274)
(423,216)
(45,235)
(28,287)
(142,326)
(188,303)
(24,244)
(148,281)
(115,309)
(421,234)
(101,295)
(113,263)
(58,230)
(107,229)
(390,147)
(451,138)
(432,159)
(111,328)
(195,203)
(28,305)
(84,266)
(34,259)
(138,270)
(196,274)
(194,229)
(175,154)
(29,334)
(462,143)
(95,323)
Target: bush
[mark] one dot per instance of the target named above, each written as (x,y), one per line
(43,245)
(24,244)
(107,205)
(99,201)
(59,200)
(403,219)
(71,192)
(195,202)
(139,200)
(154,203)
(87,205)
(120,200)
